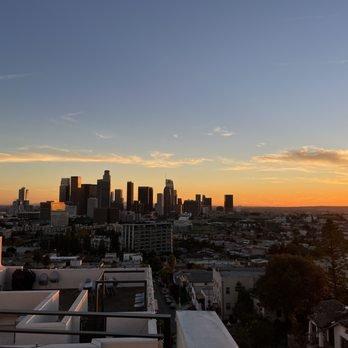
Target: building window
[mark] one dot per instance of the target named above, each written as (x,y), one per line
(228,290)
(228,306)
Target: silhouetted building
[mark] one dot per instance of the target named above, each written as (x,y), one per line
(92,203)
(169,198)
(118,202)
(45,211)
(228,205)
(207,203)
(23,194)
(130,195)
(64,190)
(103,190)
(86,191)
(75,185)
(145,198)
(159,204)
(192,207)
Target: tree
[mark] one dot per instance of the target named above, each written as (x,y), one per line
(244,306)
(293,285)
(333,249)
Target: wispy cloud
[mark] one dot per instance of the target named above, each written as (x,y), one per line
(14,76)
(156,159)
(310,155)
(71,116)
(103,136)
(262,144)
(221,131)
(176,136)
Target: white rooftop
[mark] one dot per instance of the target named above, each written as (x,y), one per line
(202,329)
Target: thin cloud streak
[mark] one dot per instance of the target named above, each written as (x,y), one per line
(156,159)
(7,77)
(71,116)
(221,131)
(103,136)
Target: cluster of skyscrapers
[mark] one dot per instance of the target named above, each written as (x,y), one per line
(98,201)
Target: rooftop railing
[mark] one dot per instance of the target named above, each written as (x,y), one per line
(165,336)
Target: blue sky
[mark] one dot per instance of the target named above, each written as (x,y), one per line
(199,80)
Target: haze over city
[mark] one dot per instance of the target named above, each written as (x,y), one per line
(242,97)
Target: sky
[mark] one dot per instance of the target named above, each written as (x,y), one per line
(225,96)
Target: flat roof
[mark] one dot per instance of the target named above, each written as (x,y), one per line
(203,329)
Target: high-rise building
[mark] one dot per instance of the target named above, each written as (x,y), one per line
(168,198)
(92,204)
(118,196)
(103,190)
(64,190)
(86,191)
(207,203)
(118,202)
(45,211)
(75,185)
(191,207)
(145,198)
(23,194)
(130,195)
(228,205)
(159,204)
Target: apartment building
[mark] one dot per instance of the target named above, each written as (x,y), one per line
(224,286)
(147,237)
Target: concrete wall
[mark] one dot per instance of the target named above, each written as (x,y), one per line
(51,303)
(73,323)
(23,300)
(68,278)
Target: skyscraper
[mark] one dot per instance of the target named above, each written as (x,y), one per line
(145,198)
(23,194)
(86,191)
(103,190)
(118,196)
(168,198)
(130,195)
(159,204)
(75,185)
(118,202)
(228,205)
(64,190)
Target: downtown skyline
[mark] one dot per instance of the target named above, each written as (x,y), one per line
(224,98)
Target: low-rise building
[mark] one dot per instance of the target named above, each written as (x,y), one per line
(224,286)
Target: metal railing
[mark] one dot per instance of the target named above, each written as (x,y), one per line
(165,318)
